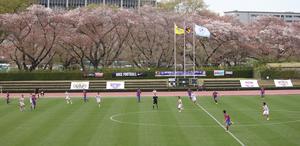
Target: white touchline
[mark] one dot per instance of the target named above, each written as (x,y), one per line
(239,141)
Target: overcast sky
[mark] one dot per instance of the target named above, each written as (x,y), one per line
(253,5)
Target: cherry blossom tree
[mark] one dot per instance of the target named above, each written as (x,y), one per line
(151,41)
(272,39)
(32,34)
(99,35)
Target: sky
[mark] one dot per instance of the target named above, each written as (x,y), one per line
(221,6)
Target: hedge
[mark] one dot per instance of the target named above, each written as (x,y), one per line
(23,76)
(149,74)
(280,74)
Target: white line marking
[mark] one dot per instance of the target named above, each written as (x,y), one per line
(239,141)
(113,118)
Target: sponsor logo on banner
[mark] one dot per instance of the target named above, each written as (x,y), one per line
(228,72)
(219,72)
(128,74)
(249,83)
(79,85)
(115,85)
(98,74)
(94,75)
(283,83)
(180,73)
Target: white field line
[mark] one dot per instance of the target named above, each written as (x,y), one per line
(239,141)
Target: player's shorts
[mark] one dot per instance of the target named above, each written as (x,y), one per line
(228,122)
(154,101)
(194,99)
(22,103)
(180,106)
(68,98)
(98,100)
(215,97)
(266,113)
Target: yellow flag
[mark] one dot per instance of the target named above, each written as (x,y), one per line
(178,30)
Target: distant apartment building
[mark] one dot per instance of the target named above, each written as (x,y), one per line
(63,4)
(250,16)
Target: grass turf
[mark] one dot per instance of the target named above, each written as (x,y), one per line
(135,124)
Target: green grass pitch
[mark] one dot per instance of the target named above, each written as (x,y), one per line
(124,122)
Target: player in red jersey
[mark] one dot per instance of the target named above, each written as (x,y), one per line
(227,120)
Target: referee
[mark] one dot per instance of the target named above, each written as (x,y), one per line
(155,101)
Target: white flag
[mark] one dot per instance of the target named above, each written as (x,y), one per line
(202,31)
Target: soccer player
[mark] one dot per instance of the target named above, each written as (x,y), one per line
(138,94)
(68,99)
(215,96)
(262,92)
(33,102)
(266,110)
(179,104)
(7,98)
(227,120)
(155,101)
(98,99)
(154,92)
(85,96)
(21,103)
(42,93)
(30,100)
(194,97)
(189,92)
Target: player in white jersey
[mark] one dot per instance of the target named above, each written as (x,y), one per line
(179,104)
(154,92)
(21,103)
(98,99)
(68,99)
(30,99)
(194,98)
(266,110)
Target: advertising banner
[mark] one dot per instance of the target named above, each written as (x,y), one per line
(128,74)
(115,85)
(228,72)
(249,83)
(219,72)
(283,83)
(79,85)
(180,73)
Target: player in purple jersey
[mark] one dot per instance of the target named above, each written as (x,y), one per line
(85,96)
(262,92)
(227,120)
(215,96)
(7,98)
(33,101)
(189,92)
(138,94)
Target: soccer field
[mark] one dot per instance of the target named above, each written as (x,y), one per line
(124,122)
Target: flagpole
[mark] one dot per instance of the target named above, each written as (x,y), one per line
(175,64)
(194,51)
(184,69)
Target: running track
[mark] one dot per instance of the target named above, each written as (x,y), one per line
(165,93)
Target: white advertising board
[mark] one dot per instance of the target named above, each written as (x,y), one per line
(115,85)
(283,83)
(79,85)
(249,83)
